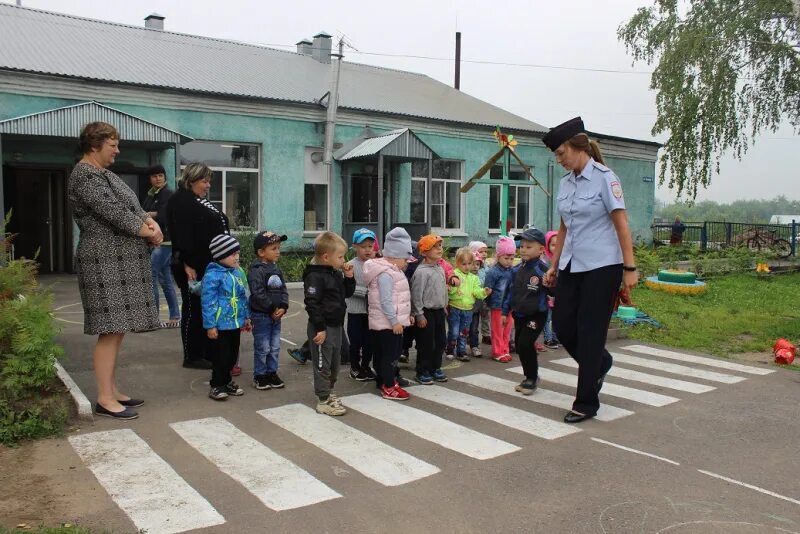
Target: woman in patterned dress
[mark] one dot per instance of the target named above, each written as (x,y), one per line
(112,261)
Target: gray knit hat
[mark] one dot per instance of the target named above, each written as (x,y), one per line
(397,244)
(223,246)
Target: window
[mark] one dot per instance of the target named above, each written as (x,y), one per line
(519,198)
(315,192)
(364,198)
(444,196)
(234,182)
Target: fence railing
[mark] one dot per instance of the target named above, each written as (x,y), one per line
(778,238)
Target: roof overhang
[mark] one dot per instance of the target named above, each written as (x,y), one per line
(70,120)
(400,144)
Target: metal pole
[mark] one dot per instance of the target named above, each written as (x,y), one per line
(333,103)
(381,232)
(429,194)
(794,237)
(504,195)
(550,183)
(458,61)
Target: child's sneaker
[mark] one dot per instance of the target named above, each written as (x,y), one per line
(486,340)
(439,376)
(354,372)
(552,344)
(297,355)
(527,386)
(236,371)
(394,393)
(275,381)
(539,347)
(330,406)
(424,379)
(449,356)
(364,375)
(218,393)
(370,373)
(402,382)
(233,389)
(404,356)
(503,358)
(476,352)
(262,382)
(462,357)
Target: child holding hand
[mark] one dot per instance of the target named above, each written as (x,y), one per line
(462,297)
(499,279)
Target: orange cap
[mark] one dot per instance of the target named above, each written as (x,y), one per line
(427,242)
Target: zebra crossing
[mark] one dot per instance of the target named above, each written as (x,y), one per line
(157,498)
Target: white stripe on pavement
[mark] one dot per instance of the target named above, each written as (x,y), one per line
(750,486)
(711,362)
(365,454)
(431,427)
(494,411)
(147,489)
(636,376)
(542,396)
(677,369)
(614,390)
(276,481)
(635,451)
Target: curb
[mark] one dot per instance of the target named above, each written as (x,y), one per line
(617,333)
(294,285)
(82,404)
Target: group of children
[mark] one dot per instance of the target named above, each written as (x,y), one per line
(439,306)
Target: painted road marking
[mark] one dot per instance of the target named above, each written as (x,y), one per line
(147,489)
(494,411)
(636,451)
(636,376)
(711,362)
(372,458)
(542,396)
(276,481)
(614,390)
(750,486)
(677,369)
(431,427)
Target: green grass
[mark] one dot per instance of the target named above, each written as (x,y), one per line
(738,313)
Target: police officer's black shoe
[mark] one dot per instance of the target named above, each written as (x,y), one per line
(575,417)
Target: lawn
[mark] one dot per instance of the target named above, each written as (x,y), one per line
(739,313)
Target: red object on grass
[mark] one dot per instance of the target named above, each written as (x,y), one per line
(784,352)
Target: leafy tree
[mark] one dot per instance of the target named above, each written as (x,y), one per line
(726,71)
(746,211)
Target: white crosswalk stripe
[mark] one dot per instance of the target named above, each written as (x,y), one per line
(494,411)
(142,484)
(372,458)
(274,480)
(541,396)
(674,368)
(711,362)
(430,427)
(636,376)
(614,390)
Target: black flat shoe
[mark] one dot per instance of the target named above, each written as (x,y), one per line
(197,364)
(575,417)
(127,413)
(131,403)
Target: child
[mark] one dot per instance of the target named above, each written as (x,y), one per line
(498,279)
(428,300)
(528,302)
(357,319)
(269,300)
(389,309)
(225,313)
(410,333)
(325,288)
(462,298)
(479,330)
(550,339)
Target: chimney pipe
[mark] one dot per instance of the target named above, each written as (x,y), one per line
(322,48)
(154,21)
(458,61)
(304,47)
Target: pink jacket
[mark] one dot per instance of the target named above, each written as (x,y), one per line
(401,294)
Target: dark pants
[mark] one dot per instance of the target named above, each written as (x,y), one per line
(527,330)
(386,346)
(584,302)
(193,335)
(360,344)
(431,341)
(225,353)
(305,348)
(409,335)
(325,359)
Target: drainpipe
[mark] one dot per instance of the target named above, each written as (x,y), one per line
(333,103)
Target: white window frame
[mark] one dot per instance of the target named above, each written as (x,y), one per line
(318,178)
(428,195)
(525,185)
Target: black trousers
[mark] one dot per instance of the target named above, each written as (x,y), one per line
(582,312)
(360,344)
(225,352)
(409,335)
(386,349)
(431,341)
(526,332)
(193,336)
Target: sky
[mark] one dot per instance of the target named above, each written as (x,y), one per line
(533,32)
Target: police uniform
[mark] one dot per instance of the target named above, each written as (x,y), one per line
(590,267)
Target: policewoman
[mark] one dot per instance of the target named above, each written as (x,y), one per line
(593,257)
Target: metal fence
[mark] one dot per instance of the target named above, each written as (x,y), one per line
(711,235)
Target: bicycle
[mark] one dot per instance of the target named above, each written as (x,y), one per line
(780,247)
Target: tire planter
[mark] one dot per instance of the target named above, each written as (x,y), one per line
(678,277)
(676,288)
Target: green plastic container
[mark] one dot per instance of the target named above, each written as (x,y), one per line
(626,312)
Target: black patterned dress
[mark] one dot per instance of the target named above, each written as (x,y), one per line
(112,261)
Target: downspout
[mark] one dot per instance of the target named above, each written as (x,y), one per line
(330,123)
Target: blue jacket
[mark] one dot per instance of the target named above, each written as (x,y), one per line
(267,287)
(527,295)
(224,298)
(498,278)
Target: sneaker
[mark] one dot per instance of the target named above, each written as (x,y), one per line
(476,352)
(462,357)
(354,372)
(486,340)
(402,382)
(370,374)
(218,393)
(424,378)
(330,406)
(449,356)
(275,381)
(394,393)
(363,375)
(527,386)
(539,347)
(334,399)
(404,356)
(236,371)
(233,389)
(262,382)
(503,358)
(439,376)
(297,355)
(551,344)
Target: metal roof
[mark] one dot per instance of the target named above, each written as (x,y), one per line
(401,143)
(51,43)
(68,122)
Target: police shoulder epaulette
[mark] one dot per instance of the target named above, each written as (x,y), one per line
(600,166)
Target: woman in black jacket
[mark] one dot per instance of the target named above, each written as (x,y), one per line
(193,221)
